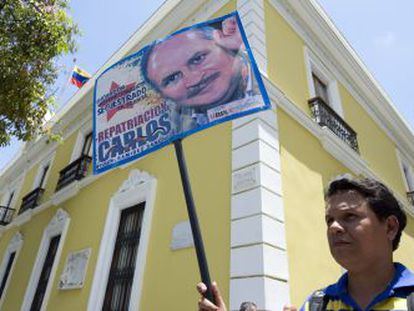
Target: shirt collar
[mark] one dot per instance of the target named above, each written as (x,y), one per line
(403,278)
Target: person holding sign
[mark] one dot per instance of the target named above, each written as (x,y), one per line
(364,225)
(200,69)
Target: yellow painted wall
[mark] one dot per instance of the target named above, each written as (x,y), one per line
(285,52)
(5,240)
(208,157)
(211,182)
(60,161)
(32,234)
(404,253)
(306,169)
(375,146)
(170,276)
(287,69)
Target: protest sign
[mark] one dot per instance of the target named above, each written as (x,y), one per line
(193,79)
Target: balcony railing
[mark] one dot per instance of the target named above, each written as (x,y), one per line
(326,116)
(74,171)
(31,200)
(410,196)
(6,215)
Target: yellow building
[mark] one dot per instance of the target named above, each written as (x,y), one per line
(74,241)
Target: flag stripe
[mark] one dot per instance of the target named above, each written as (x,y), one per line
(79,77)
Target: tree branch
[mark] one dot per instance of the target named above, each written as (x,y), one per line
(2,4)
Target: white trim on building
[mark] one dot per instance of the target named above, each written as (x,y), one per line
(14,246)
(57,226)
(315,66)
(47,162)
(258,256)
(138,188)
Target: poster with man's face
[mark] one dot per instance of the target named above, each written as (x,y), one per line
(191,80)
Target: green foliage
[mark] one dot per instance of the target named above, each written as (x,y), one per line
(32,35)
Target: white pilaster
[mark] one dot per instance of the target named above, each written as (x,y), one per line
(252,15)
(259,265)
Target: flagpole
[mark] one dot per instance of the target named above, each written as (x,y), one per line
(192,214)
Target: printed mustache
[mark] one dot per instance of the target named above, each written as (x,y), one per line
(196,89)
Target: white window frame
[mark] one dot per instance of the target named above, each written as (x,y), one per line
(48,161)
(404,162)
(315,65)
(14,246)
(85,129)
(13,187)
(138,188)
(58,225)
(6,197)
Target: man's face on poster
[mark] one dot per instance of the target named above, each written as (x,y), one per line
(193,70)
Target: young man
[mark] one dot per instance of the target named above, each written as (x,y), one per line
(364,224)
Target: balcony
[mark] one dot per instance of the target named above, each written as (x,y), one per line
(326,116)
(6,215)
(74,171)
(410,196)
(31,200)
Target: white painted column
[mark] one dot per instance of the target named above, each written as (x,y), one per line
(259,265)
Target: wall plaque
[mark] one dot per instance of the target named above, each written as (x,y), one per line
(73,275)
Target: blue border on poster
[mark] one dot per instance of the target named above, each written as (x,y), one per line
(266,100)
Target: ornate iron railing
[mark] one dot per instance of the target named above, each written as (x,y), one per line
(31,200)
(410,196)
(6,215)
(74,171)
(326,116)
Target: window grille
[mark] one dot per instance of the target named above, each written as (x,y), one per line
(45,274)
(7,272)
(118,290)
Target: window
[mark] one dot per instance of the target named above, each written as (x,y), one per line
(43,176)
(86,148)
(42,172)
(8,263)
(9,201)
(322,83)
(124,245)
(118,289)
(6,212)
(6,273)
(44,276)
(321,90)
(408,177)
(44,268)
(78,167)
(83,145)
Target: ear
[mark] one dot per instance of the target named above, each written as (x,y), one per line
(392,226)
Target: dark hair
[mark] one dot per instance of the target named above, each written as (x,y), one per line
(379,198)
(247,306)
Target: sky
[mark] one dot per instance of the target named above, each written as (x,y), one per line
(380,31)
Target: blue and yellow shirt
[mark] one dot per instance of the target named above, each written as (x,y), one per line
(392,298)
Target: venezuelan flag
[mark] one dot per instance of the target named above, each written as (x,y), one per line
(79,77)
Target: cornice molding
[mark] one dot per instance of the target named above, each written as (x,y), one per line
(313,25)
